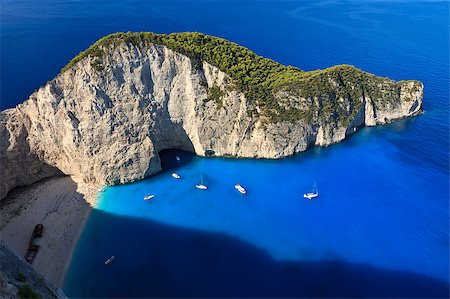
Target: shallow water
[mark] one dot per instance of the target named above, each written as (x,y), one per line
(380,225)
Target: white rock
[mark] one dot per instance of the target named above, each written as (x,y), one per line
(108,126)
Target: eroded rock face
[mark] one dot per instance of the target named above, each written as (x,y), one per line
(19,165)
(108,125)
(16,273)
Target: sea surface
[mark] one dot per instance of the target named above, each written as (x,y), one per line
(380,227)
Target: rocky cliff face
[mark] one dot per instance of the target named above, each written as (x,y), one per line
(17,278)
(107,124)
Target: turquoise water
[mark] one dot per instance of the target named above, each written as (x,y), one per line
(380,227)
(399,227)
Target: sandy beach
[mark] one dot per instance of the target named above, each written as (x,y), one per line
(62,205)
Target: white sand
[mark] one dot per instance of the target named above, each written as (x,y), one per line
(62,206)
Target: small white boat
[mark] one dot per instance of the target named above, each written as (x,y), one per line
(313,194)
(101,189)
(178,158)
(201,186)
(240,189)
(176,175)
(108,261)
(149,197)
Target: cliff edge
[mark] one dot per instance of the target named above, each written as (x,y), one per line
(19,280)
(114,107)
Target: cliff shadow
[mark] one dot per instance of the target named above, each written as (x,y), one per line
(56,204)
(158,260)
(19,165)
(172,159)
(15,272)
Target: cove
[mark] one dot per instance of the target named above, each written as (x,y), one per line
(358,226)
(380,225)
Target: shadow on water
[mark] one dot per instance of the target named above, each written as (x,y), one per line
(169,159)
(156,260)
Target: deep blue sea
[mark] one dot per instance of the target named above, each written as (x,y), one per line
(380,227)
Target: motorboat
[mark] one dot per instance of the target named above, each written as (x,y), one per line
(240,189)
(176,175)
(149,197)
(178,159)
(108,261)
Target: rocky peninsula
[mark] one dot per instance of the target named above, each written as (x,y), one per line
(114,107)
(104,119)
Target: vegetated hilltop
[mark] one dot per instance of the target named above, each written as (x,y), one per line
(110,111)
(260,78)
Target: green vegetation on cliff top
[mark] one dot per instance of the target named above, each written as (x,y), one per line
(260,78)
(243,65)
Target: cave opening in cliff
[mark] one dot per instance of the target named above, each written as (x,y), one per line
(172,159)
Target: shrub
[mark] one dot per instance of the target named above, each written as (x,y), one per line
(26,292)
(21,277)
(215,94)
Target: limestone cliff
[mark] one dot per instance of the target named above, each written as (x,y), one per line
(19,280)
(106,117)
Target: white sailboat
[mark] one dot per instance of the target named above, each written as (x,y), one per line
(108,261)
(240,189)
(149,197)
(176,175)
(313,194)
(201,186)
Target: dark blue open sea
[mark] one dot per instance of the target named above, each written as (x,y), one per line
(380,227)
